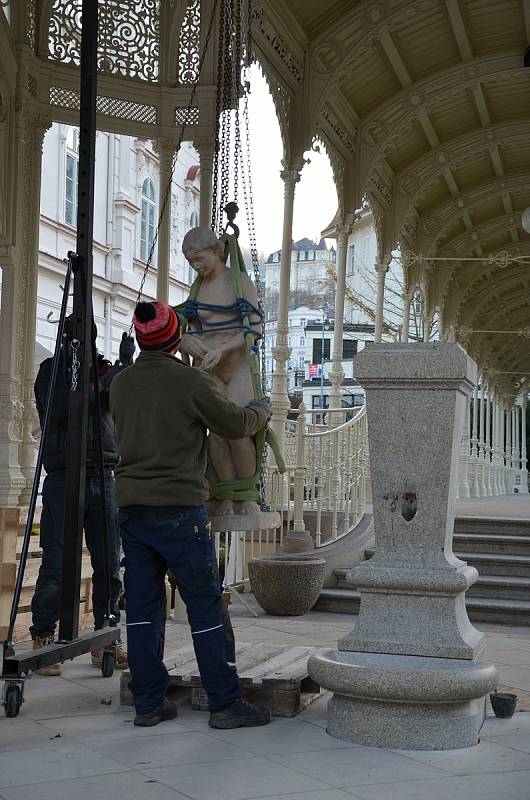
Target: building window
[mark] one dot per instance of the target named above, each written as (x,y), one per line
(349,349)
(302,323)
(194,219)
(317,350)
(147,222)
(72,168)
(302,341)
(351,259)
(310,255)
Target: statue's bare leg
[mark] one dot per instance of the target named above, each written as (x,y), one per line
(242,451)
(220,463)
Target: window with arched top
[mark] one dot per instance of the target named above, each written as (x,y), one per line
(71,172)
(147,219)
(194,219)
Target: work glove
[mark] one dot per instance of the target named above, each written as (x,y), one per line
(263,405)
(127,348)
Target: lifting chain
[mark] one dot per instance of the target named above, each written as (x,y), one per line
(167,193)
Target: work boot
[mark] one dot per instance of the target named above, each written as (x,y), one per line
(240,715)
(52,670)
(121,657)
(163,711)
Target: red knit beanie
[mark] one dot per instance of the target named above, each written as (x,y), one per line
(157,326)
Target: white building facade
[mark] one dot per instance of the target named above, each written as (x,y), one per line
(126,212)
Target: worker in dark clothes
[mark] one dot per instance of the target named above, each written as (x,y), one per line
(45,606)
(163,410)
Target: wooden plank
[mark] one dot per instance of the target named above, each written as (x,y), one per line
(259,655)
(292,673)
(191,673)
(280,665)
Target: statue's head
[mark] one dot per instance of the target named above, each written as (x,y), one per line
(199,239)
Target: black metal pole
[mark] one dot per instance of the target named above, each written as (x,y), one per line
(78,406)
(8,643)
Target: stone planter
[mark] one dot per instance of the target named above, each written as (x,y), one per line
(286,585)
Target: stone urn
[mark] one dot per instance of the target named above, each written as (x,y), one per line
(286,585)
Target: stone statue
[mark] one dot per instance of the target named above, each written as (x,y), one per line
(223,355)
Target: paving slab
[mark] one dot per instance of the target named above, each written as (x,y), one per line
(122,786)
(42,764)
(240,779)
(436,789)
(358,766)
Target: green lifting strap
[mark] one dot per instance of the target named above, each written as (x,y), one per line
(241,488)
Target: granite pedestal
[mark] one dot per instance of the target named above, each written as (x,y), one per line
(411,674)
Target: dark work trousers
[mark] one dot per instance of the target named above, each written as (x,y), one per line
(177,538)
(46,602)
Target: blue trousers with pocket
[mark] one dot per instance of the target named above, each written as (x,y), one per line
(176,538)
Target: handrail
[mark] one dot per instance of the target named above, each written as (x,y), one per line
(344,425)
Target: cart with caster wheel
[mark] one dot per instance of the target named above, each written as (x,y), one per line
(81,349)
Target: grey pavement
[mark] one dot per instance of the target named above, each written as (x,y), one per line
(67,744)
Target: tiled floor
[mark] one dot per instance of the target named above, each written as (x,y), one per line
(68,745)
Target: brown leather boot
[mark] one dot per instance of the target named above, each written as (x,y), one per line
(121,657)
(52,670)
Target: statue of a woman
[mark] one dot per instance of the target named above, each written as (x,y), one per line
(217,344)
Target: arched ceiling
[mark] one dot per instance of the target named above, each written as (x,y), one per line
(424,105)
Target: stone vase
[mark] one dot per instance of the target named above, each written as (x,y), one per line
(286,585)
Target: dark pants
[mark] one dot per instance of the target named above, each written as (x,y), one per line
(178,539)
(46,602)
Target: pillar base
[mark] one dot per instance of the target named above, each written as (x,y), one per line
(297,542)
(404,702)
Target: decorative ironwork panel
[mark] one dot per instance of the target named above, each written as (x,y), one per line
(128,42)
(189,44)
(186,116)
(30,24)
(31,84)
(109,106)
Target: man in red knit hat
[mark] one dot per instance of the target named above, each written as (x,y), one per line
(163,410)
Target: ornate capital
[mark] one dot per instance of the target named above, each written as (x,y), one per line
(290,176)
(205,147)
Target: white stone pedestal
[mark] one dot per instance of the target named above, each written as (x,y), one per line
(410,674)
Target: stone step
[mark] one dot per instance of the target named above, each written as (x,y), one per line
(490,563)
(497,563)
(480,609)
(501,527)
(506,544)
(503,587)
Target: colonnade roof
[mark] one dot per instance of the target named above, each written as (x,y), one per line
(424,108)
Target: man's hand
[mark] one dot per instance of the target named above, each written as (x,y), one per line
(264,405)
(193,346)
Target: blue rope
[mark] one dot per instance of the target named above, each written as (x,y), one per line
(242,305)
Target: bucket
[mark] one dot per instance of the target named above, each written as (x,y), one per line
(503,704)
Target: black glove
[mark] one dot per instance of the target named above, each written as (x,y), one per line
(127,348)
(264,405)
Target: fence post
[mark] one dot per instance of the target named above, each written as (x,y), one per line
(298,539)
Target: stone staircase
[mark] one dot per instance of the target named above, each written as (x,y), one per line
(499,549)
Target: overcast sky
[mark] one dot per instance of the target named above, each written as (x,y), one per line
(315,198)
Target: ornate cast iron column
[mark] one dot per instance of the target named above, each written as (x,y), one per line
(281,351)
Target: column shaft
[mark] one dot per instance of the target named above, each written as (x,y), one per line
(281,352)
(406,318)
(166,151)
(524,472)
(205,148)
(380,302)
(337,374)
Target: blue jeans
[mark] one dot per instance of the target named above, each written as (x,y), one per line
(178,538)
(46,603)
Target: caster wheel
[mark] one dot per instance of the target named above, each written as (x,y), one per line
(107,664)
(13,701)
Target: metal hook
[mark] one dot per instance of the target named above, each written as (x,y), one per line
(231,210)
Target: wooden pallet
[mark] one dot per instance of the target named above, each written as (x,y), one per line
(273,675)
